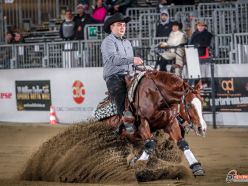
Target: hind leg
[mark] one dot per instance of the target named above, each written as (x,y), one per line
(174,131)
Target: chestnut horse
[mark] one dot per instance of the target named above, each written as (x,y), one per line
(159,98)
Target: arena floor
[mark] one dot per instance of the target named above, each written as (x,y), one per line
(222,150)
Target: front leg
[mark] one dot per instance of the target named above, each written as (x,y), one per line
(149,143)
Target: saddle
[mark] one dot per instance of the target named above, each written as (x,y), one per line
(107,108)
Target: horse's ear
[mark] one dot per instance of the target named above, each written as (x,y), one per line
(198,86)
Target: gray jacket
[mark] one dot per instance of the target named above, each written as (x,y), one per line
(117,56)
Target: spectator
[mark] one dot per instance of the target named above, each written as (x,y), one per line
(163,4)
(114,6)
(18,38)
(201,38)
(164,27)
(9,37)
(68,26)
(81,19)
(188,23)
(85,3)
(100,11)
(175,47)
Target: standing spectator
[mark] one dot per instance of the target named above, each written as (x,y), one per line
(68,26)
(163,4)
(100,11)
(175,47)
(201,38)
(188,23)
(18,38)
(81,19)
(9,37)
(114,6)
(85,3)
(164,27)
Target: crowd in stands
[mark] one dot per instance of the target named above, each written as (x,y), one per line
(72,27)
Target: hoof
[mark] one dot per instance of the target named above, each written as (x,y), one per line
(197,170)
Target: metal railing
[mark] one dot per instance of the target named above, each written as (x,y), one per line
(35,12)
(241,48)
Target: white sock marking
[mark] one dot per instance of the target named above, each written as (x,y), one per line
(190,157)
(144,156)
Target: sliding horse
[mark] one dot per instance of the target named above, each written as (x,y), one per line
(155,103)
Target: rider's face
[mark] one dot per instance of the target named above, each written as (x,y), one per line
(118,28)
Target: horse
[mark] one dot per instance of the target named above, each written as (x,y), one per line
(158,100)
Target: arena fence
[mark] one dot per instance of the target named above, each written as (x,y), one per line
(229,48)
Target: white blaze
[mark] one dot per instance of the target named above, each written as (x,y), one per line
(198,106)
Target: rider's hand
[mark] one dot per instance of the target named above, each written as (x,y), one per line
(163,44)
(137,61)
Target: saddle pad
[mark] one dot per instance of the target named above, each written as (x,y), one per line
(105,109)
(133,86)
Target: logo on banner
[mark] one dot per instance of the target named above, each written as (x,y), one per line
(78,92)
(227,85)
(5,95)
(33,95)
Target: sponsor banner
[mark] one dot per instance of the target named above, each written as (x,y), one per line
(33,95)
(231,94)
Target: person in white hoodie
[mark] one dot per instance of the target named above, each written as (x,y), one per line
(175,47)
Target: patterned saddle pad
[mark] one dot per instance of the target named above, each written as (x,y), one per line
(105,109)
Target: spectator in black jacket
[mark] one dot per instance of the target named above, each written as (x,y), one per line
(201,38)
(67,28)
(114,6)
(165,26)
(81,19)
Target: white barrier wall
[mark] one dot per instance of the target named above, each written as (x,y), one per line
(74,94)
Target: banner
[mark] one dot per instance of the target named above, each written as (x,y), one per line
(33,95)
(231,94)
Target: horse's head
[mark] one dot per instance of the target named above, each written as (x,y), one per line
(191,109)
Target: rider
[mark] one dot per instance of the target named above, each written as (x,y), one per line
(118,61)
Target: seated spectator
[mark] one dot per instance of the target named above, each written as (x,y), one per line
(9,37)
(175,48)
(201,38)
(164,27)
(68,26)
(81,19)
(100,11)
(114,6)
(18,38)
